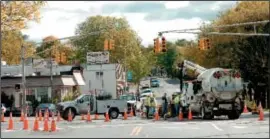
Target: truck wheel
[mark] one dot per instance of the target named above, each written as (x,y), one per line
(234,115)
(113,113)
(65,114)
(206,116)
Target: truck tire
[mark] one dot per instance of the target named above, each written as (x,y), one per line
(206,116)
(234,115)
(113,113)
(65,114)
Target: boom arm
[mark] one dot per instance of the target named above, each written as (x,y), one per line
(193,66)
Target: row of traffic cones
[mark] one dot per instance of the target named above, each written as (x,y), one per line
(36,124)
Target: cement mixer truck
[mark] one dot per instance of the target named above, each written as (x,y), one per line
(214,92)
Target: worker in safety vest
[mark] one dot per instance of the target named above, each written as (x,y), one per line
(147,105)
(176,101)
(152,106)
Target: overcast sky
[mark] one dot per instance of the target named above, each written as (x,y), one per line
(60,18)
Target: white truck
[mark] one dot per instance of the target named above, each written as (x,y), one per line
(85,102)
(215,92)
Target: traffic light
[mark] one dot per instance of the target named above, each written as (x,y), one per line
(155,46)
(106,45)
(201,44)
(164,49)
(111,44)
(207,43)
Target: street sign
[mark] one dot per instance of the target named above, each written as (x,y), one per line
(98,57)
(129,76)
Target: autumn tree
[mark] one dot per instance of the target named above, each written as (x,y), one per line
(117,29)
(15,14)
(14,18)
(11,44)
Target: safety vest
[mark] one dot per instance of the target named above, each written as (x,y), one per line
(176,100)
(147,101)
(152,102)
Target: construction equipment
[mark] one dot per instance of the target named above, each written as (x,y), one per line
(214,92)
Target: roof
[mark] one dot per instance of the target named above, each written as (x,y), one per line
(42,81)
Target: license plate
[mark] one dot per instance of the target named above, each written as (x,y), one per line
(225,106)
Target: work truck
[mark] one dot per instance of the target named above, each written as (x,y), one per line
(88,102)
(214,92)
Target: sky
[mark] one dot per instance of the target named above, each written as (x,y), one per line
(147,18)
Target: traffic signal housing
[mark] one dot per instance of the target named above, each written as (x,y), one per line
(164,49)
(106,45)
(111,44)
(204,43)
(156,46)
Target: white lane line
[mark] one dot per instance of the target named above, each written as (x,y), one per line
(239,127)
(216,127)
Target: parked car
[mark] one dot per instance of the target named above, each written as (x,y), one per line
(3,108)
(44,106)
(154,82)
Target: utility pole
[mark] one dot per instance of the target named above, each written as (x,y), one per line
(51,73)
(23,78)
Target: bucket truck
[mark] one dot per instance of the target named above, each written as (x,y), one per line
(214,92)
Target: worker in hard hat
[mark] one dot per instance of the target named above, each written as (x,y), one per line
(147,106)
(153,104)
(176,101)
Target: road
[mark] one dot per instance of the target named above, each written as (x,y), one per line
(247,126)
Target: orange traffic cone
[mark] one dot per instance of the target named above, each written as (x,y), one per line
(22,116)
(58,117)
(107,118)
(10,122)
(46,125)
(125,115)
(261,114)
(53,124)
(36,124)
(25,123)
(69,116)
(245,109)
(2,117)
(96,116)
(40,115)
(88,117)
(180,117)
(190,114)
(156,116)
(131,112)
(82,115)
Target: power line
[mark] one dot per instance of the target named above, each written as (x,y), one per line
(220,26)
(226,33)
(65,38)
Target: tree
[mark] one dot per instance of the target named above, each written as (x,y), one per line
(117,29)
(15,14)
(11,47)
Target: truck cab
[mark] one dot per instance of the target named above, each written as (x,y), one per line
(87,102)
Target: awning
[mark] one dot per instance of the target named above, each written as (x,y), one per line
(78,77)
(68,81)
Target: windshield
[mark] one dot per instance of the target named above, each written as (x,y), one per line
(127,97)
(155,80)
(146,91)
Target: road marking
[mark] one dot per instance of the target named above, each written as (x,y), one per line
(239,126)
(138,131)
(133,131)
(216,127)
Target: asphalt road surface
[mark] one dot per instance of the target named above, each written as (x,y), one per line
(247,126)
